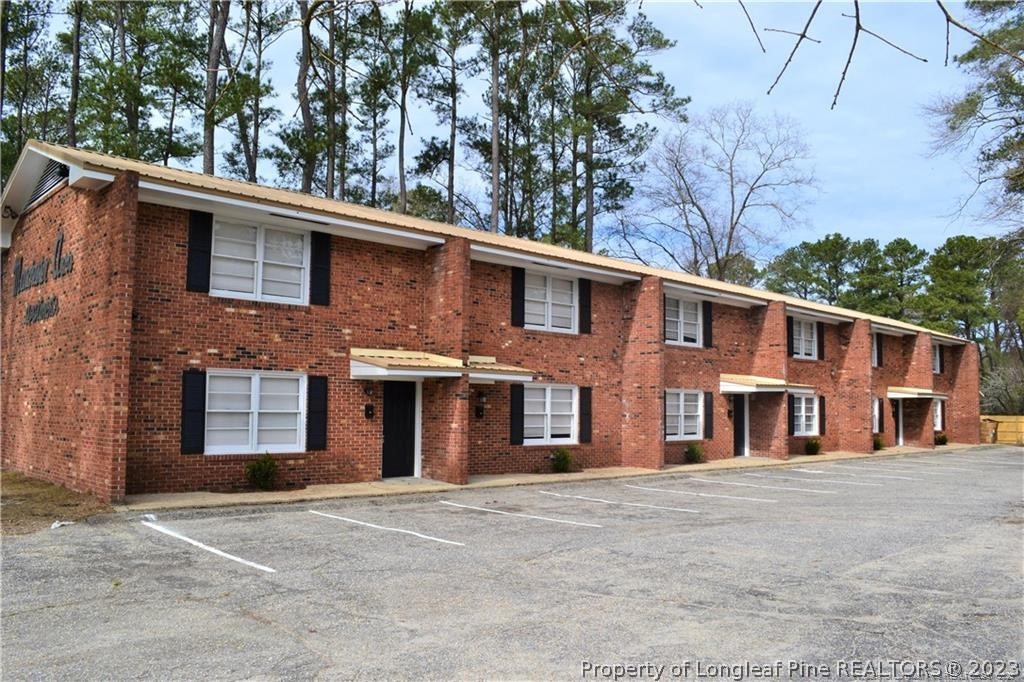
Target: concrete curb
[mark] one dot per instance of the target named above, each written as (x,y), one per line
(204,500)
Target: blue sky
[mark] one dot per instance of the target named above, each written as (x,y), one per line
(876,176)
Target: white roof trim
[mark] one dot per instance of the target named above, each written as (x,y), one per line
(491,254)
(806,313)
(363,370)
(672,288)
(490,378)
(729,387)
(891,331)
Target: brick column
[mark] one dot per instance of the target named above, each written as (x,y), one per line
(445,437)
(769,425)
(919,369)
(770,358)
(963,410)
(918,429)
(643,377)
(848,412)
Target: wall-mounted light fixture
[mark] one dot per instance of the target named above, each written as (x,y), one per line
(368,410)
(368,389)
(481,402)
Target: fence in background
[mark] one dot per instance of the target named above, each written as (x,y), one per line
(1005,429)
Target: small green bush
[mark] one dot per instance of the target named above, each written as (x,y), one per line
(561,461)
(261,472)
(812,446)
(694,454)
(876,442)
(941,438)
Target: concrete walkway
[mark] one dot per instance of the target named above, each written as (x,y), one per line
(408,486)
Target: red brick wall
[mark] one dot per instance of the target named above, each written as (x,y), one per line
(823,375)
(643,376)
(960,382)
(896,354)
(769,425)
(65,379)
(376,302)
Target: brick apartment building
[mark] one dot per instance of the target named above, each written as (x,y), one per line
(161,328)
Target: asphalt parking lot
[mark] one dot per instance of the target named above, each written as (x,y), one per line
(898,559)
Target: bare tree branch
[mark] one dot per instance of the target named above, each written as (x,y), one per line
(743,6)
(951,20)
(800,38)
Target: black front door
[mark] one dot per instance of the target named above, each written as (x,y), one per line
(398,458)
(739,425)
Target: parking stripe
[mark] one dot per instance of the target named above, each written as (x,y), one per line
(393,530)
(899,478)
(687,492)
(626,504)
(915,470)
(933,465)
(212,550)
(525,516)
(768,487)
(815,480)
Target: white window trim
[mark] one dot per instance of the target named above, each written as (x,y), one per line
(938,410)
(254,412)
(547,439)
(874,349)
(876,415)
(798,424)
(699,343)
(936,363)
(798,351)
(258,295)
(700,415)
(574,317)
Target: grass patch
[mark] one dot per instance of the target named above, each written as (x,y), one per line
(28,505)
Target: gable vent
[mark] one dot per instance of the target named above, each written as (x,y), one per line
(52,175)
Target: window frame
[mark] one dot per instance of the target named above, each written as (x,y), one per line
(679,322)
(573,438)
(254,410)
(575,305)
(938,412)
(802,401)
(681,435)
(875,343)
(258,295)
(876,415)
(799,326)
(936,359)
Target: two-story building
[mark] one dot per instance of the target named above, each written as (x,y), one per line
(161,328)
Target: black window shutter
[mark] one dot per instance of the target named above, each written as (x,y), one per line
(709,415)
(878,345)
(516,415)
(821,340)
(584,288)
(586,418)
(706,314)
(942,360)
(881,415)
(791,408)
(789,336)
(518,299)
(193,412)
(821,415)
(320,269)
(200,244)
(316,413)
(942,416)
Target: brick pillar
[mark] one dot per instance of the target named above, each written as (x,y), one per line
(769,425)
(445,423)
(919,369)
(643,377)
(918,430)
(848,412)
(963,410)
(770,358)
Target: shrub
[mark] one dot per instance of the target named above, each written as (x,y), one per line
(941,438)
(876,442)
(812,446)
(261,472)
(694,454)
(561,460)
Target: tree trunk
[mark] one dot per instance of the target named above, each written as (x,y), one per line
(76,52)
(218,25)
(495,146)
(302,90)
(331,107)
(453,90)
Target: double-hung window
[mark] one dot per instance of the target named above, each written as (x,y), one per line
(805,415)
(805,339)
(874,350)
(259,263)
(255,412)
(549,414)
(683,322)
(683,415)
(936,359)
(550,303)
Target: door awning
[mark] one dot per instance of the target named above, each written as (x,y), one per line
(747,383)
(910,392)
(385,363)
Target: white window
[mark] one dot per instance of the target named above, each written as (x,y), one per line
(684,415)
(936,359)
(255,412)
(937,407)
(549,414)
(874,351)
(805,339)
(876,415)
(259,263)
(683,322)
(805,415)
(550,303)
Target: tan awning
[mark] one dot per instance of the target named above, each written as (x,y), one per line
(385,363)
(747,383)
(910,392)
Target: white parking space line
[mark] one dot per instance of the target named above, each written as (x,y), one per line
(393,530)
(975,459)
(625,504)
(524,516)
(933,465)
(212,550)
(898,478)
(687,492)
(815,480)
(915,470)
(767,487)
